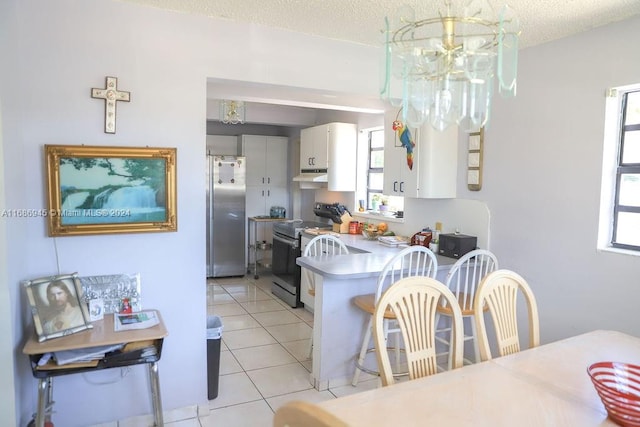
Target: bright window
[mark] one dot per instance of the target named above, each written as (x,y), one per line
(375,171)
(620,226)
(375,174)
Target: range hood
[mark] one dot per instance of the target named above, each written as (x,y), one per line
(318,176)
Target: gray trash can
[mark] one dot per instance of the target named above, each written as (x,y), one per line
(214,336)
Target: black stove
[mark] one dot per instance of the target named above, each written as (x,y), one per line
(286,248)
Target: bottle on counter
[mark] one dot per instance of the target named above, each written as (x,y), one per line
(434,245)
(353,227)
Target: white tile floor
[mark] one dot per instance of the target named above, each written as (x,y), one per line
(264,360)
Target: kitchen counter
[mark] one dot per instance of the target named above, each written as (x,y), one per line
(368,259)
(337,337)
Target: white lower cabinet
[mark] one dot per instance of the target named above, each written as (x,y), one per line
(267,184)
(259,201)
(306,298)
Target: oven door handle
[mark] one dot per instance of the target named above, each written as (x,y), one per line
(289,242)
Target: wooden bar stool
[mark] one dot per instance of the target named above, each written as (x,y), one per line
(412,261)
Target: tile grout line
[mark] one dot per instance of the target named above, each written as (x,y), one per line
(251,290)
(277,341)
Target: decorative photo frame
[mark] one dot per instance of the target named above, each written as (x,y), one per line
(101,190)
(112,289)
(56,306)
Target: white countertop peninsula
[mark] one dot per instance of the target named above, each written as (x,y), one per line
(338,326)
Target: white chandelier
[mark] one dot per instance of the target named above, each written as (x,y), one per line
(441,69)
(232,112)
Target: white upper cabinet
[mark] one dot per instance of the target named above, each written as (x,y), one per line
(314,149)
(330,149)
(399,179)
(435,161)
(266,160)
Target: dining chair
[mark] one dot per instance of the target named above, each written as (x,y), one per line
(414,301)
(298,413)
(323,244)
(499,291)
(412,261)
(463,279)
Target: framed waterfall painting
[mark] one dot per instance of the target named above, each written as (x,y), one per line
(103,190)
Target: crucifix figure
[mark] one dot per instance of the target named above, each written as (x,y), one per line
(111,95)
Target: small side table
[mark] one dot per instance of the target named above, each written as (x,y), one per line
(253,242)
(142,346)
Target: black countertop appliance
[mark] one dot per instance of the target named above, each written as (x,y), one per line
(455,245)
(333,211)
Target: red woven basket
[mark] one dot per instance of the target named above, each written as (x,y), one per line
(618,385)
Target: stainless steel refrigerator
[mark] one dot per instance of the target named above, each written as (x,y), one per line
(226,190)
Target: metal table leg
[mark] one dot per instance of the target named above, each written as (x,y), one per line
(156,399)
(45,401)
(255,250)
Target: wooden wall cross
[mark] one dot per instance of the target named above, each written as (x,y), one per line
(111,95)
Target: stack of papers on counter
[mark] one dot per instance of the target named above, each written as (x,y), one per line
(392,241)
(140,320)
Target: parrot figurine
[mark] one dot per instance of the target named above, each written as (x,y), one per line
(406,139)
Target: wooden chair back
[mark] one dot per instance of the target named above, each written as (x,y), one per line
(304,414)
(465,276)
(323,244)
(499,291)
(412,261)
(414,300)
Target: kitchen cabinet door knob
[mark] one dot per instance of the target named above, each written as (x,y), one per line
(401,187)
(395,186)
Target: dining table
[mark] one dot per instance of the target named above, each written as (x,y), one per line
(543,386)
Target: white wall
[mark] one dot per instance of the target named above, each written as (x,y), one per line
(542,168)
(221,144)
(8,308)
(63,48)
(7,395)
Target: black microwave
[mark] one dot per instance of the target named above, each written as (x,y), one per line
(455,245)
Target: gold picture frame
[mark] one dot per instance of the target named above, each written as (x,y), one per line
(104,190)
(57,306)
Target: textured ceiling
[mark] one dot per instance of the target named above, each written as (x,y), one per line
(360,21)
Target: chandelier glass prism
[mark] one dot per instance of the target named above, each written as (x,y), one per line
(441,70)
(232,112)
